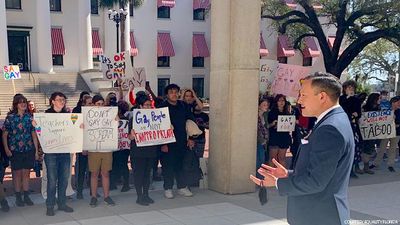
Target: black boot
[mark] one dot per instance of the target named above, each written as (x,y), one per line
(147,199)
(4,205)
(140,200)
(27,200)
(18,199)
(125,188)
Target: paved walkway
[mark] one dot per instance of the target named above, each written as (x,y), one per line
(373,198)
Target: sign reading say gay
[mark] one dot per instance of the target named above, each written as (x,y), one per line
(117,66)
(152,127)
(11,72)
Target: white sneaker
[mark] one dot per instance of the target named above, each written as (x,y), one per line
(168,194)
(185,192)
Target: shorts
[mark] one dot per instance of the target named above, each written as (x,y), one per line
(100,161)
(22,160)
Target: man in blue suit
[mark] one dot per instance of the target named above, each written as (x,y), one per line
(317,188)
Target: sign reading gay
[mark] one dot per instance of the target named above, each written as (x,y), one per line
(123,134)
(377,125)
(59,132)
(11,72)
(117,66)
(136,82)
(152,127)
(286,123)
(100,133)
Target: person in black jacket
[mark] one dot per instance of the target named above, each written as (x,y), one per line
(352,106)
(3,201)
(142,157)
(173,154)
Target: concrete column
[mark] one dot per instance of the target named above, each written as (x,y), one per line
(85,36)
(3,36)
(43,37)
(235,33)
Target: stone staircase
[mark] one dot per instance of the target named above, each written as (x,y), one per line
(38,88)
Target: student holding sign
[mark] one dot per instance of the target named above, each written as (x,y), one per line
(58,165)
(21,146)
(100,162)
(372,105)
(142,157)
(391,151)
(279,142)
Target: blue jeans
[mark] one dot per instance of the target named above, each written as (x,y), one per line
(260,158)
(58,169)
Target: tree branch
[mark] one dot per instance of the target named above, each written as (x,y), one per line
(286,16)
(298,40)
(283,27)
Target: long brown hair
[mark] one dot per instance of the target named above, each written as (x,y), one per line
(18,98)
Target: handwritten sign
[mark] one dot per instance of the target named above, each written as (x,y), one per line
(287,79)
(268,70)
(59,132)
(11,72)
(100,133)
(138,81)
(123,134)
(152,127)
(117,66)
(286,123)
(377,125)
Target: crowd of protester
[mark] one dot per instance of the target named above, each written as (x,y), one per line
(20,149)
(369,154)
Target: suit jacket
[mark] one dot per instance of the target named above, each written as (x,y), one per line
(317,188)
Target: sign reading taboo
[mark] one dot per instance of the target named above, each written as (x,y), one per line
(286,123)
(117,66)
(123,134)
(152,127)
(377,125)
(100,133)
(11,72)
(59,132)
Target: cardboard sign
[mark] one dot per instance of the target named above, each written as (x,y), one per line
(152,127)
(137,81)
(377,125)
(100,133)
(59,132)
(123,134)
(11,72)
(117,66)
(287,79)
(286,123)
(268,70)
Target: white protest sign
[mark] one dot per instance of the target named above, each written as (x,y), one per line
(286,123)
(123,133)
(137,81)
(11,72)
(377,125)
(59,132)
(100,133)
(268,69)
(117,66)
(152,127)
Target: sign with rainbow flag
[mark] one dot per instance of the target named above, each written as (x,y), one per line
(59,132)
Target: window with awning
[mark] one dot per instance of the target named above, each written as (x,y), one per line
(285,49)
(165,3)
(96,44)
(263,48)
(134,50)
(164,45)
(310,48)
(57,41)
(199,46)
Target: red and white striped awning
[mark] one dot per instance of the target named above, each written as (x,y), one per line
(96,44)
(164,45)
(201,4)
(199,46)
(166,3)
(290,3)
(263,48)
(57,42)
(284,47)
(134,50)
(311,48)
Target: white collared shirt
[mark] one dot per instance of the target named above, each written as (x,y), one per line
(326,112)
